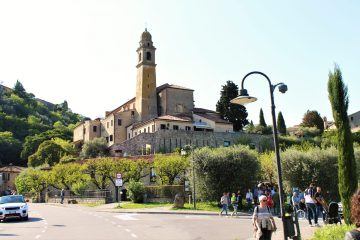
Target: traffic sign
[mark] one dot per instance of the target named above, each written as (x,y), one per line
(118,182)
(118,175)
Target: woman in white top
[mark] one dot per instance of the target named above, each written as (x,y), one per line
(263,221)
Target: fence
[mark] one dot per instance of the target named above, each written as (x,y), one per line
(163,193)
(86,196)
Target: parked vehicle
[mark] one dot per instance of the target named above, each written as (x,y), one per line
(13,206)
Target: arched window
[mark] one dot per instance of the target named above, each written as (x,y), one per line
(148,56)
(139,57)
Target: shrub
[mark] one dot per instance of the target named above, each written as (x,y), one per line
(224,169)
(301,167)
(136,191)
(332,232)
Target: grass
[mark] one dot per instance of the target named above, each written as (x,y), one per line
(130,205)
(201,206)
(332,232)
(92,204)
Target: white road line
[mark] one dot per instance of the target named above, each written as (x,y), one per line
(133,235)
(126,217)
(128,230)
(119,226)
(37,236)
(43,231)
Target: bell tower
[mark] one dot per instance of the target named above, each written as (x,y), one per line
(146,99)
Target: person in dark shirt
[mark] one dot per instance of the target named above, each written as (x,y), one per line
(320,203)
(355,217)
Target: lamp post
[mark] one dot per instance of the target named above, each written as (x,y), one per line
(185,153)
(243,99)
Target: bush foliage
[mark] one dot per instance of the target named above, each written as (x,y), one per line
(332,232)
(136,191)
(224,169)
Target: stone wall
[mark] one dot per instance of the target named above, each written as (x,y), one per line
(78,200)
(166,141)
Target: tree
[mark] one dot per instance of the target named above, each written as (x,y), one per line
(48,152)
(95,148)
(169,167)
(20,90)
(31,181)
(339,99)
(262,119)
(281,126)
(10,149)
(234,113)
(69,176)
(313,119)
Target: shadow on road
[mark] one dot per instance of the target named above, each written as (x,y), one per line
(13,221)
(7,235)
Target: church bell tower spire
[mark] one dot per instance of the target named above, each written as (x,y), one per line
(146,100)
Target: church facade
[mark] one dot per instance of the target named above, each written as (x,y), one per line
(156,115)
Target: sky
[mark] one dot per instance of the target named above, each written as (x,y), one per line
(84,51)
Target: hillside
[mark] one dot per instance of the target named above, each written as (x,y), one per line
(25,122)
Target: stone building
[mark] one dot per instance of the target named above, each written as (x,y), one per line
(166,108)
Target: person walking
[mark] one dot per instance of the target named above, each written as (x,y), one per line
(239,200)
(320,203)
(234,203)
(262,220)
(62,196)
(224,204)
(276,200)
(355,217)
(310,203)
(249,199)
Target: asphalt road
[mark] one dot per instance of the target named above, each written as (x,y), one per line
(55,222)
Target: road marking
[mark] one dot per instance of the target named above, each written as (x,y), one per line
(43,231)
(119,226)
(128,230)
(133,235)
(113,223)
(37,236)
(126,217)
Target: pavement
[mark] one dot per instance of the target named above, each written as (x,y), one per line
(306,231)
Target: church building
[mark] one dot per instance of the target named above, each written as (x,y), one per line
(158,118)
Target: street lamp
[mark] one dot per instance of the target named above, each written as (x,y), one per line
(243,99)
(184,153)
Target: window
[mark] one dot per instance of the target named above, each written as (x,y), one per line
(111,138)
(119,122)
(148,56)
(144,130)
(84,131)
(139,57)
(148,44)
(94,128)
(162,126)
(107,124)
(135,133)
(187,128)
(112,122)
(149,129)
(129,136)
(176,127)
(132,113)
(153,128)
(351,118)
(107,139)
(226,143)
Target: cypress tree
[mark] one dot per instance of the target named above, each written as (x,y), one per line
(281,124)
(339,99)
(262,120)
(234,113)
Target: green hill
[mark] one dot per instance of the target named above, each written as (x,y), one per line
(26,122)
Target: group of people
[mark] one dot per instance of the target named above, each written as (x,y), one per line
(312,201)
(235,201)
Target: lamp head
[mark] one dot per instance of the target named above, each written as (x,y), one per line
(283,88)
(243,98)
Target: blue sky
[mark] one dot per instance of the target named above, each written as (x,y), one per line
(85,51)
